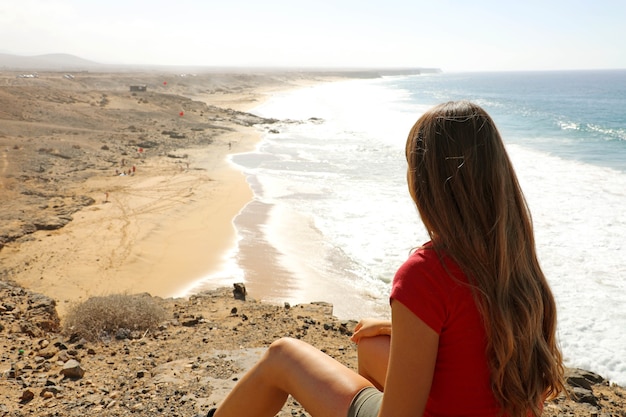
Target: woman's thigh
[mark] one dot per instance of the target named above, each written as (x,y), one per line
(322,385)
(374,359)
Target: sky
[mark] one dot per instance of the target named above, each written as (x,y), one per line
(453,35)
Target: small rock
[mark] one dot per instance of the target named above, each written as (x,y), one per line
(64,356)
(72,369)
(122,334)
(137,407)
(50,391)
(239,291)
(582,395)
(190,322)
(48,352)
(27,395)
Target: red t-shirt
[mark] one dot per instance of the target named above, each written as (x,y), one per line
(461,382)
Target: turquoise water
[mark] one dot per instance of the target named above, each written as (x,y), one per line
(577,115)
(341,222)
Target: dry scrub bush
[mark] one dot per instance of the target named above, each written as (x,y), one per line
(115,315)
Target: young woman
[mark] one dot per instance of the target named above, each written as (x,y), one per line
(472,330)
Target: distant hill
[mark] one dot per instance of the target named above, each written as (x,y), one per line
(49,62)
(67,62)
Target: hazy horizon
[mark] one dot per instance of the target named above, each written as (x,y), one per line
(70,60)
(242,68)
(486,35)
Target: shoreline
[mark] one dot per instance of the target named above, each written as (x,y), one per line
(156,234)
(168,225)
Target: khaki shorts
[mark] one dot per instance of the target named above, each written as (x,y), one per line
(366,403)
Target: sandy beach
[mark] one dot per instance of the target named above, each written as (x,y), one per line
(156,230)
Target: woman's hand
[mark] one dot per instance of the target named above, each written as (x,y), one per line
(370,328)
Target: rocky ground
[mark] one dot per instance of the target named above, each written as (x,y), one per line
(57,132)
(189,363)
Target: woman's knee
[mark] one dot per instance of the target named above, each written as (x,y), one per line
(374,347)
(285,356)
(284,344)
(373,356)
(284,349)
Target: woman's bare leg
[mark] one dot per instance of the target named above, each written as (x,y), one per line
(323,386)
(374,358)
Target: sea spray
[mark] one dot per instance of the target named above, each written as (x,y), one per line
(332,176)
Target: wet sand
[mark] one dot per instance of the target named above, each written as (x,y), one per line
(159,230)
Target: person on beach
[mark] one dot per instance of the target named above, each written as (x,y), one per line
(473,320)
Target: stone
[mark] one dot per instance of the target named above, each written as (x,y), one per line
(27,395)
(122,334)
(72,369)
(190,322)
(64,356)
(239,291)
(50,391)
(582,395)
(48,352)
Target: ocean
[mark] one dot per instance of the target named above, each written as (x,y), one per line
(335,218)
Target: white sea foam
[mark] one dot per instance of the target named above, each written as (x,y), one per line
(580,226)
(343,221)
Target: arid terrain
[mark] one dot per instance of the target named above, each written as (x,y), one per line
(105,189)
(90,172)
(189,363)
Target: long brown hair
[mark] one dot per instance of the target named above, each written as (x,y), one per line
(470,201)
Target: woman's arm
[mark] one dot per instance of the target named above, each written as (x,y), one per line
(372,338)
(411,364)
(371,328)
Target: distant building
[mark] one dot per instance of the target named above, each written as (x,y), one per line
(138,88)
(34,75)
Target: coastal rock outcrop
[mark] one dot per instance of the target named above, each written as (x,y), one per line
(190,362)
(23,311)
